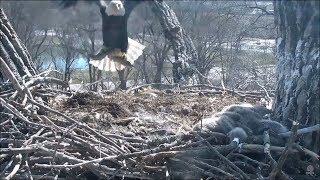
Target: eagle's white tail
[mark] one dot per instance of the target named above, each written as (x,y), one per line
(111,63)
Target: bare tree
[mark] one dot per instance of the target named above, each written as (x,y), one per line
(65,41)
(218,30)
(29,19)
(173,31)
(298,66)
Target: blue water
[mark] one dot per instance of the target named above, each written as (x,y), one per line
(79,64)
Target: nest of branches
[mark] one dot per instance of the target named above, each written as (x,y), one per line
(37,145)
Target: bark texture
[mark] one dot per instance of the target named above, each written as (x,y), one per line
(184,53)
(298,67)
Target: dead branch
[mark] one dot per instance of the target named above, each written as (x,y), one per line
(212,168)
(224,158)
(285,153)
(18,158)
(302,131)
(6,70)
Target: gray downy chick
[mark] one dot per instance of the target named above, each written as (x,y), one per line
(237,134)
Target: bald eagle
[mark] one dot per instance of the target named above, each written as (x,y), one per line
(118,51)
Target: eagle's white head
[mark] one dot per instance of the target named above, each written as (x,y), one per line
(115,8)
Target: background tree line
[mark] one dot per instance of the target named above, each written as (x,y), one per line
(228,37)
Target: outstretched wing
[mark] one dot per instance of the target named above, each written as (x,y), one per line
(115,38)
(130,5)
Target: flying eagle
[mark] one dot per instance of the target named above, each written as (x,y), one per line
(118,51)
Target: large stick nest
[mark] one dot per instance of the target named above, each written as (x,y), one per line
(145,135)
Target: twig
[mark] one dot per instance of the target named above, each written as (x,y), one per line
(224,158)
(6,70)
(266,141)
(312,154)
(196,168)
(28,168)
(194,161)
(302,131)
(82,125)
(247,159)
(14,111)
(285,153)
(7,166)
(16,167)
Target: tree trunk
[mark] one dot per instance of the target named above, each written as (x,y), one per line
(158,75)
(173,31)
(144,68)
(298,66)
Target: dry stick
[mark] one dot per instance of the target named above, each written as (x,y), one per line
(41,159)
(119,170)
(87,144)
(17,113)
(79,124)
(244,175)
(194,161)
(28,149)
(59,155)
(25,89)
(192,143)
(7,166)
(19,142)
(285,153)
(129,139)
(10,49)
(264,89)
(4,123)
(44,118)
(28,167)
(6,95)
(27,142)
(16,167)
(215,87)
(22,177)
(47,72)
(312,154)
(38,80)
(113,149)
(94,168)
(196,168)
(151,85)
(60,140)
(8,73)
(121,156)
(266,140)
(14,126)
(248,159)
(302,131)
